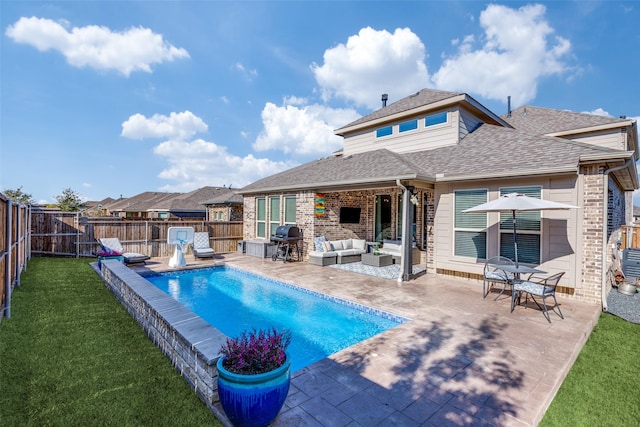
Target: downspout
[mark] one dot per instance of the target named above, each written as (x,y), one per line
(605,204)
(406,262)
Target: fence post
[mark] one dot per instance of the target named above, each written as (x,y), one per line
(7,262)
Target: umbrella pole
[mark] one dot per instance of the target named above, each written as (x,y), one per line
(515,237)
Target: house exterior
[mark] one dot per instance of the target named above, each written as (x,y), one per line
(448,152)
(226,205)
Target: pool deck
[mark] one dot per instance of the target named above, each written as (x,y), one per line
(461,359)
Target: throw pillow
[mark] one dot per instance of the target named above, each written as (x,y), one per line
(359,244)
(326,246)
(318,242)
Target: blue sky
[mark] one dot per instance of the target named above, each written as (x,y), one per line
(116,98)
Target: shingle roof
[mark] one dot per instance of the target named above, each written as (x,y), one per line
(544,121)
(358,168)
(141,202)
(192,201)
(418,99)
(500,151)
(490,150)
(224,196)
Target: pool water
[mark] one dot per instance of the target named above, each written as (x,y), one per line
(233,300)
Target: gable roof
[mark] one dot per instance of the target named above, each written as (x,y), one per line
(140,202)
(489,152)
(419,102)
(547,121)
(192,201)
(226,196)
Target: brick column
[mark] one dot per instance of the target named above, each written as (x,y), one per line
(591,258)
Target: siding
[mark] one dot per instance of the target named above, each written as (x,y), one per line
(559,243)
(406,142)
(609,139)
(467,123)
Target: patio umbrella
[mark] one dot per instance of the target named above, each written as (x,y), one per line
(516,202)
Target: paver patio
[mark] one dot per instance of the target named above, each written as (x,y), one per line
(460,360)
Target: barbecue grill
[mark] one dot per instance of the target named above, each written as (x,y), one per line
(286,239)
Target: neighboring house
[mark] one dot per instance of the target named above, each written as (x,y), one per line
(140,206)
(636,214)
(225,206)
(453,153)
(96,208)
(192,205)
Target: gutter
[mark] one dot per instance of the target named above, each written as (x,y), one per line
(605,211)
(367,181)
(406,264)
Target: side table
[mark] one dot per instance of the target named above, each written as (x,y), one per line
(376,260)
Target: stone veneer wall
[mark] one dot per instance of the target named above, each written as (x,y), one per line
(189,342)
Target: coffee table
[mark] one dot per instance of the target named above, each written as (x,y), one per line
(376,260)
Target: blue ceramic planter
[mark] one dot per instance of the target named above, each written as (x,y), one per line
(253,400)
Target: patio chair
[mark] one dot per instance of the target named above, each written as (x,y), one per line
(493,275)
(201,245)
(113,244)
(538,287)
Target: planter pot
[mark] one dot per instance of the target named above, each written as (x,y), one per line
(627,288)
(253,400)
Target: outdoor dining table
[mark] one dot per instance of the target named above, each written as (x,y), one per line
(516,270)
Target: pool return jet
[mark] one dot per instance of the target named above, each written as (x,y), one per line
(181,237)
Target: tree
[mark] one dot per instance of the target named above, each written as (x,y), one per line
(18,196)
(69,201)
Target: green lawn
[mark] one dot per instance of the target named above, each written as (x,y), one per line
(71,355)
(603,386)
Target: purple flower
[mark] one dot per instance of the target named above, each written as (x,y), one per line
(256,352)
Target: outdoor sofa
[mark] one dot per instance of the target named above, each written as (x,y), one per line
(394,248)
(336,251)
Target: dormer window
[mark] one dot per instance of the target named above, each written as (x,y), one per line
(435,119)
(407,126)
(385,131)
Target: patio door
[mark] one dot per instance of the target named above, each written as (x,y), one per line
(383,217)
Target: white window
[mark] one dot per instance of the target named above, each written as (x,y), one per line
(528,229)
(470,229)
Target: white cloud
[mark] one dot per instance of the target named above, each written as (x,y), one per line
(98,47)
(372,63)
(302,130)
(200,163)
(248,74)
(176,126)
(196,163)
(519,48)
(598,112)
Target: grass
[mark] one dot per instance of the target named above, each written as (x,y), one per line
(601,388)
(71,355)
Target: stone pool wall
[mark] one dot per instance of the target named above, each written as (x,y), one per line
(189,342)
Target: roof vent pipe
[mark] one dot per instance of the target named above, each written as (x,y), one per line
(385,97)
(509,106)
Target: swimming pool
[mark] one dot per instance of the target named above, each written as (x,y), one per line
(234,300)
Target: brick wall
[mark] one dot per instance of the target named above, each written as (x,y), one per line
(590,287)
(329,225)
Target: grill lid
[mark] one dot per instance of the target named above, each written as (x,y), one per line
(287,231)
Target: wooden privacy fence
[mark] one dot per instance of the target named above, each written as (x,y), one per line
(630,237)
(14,249)
(69,234)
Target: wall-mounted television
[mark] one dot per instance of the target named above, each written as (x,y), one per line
(349,215)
